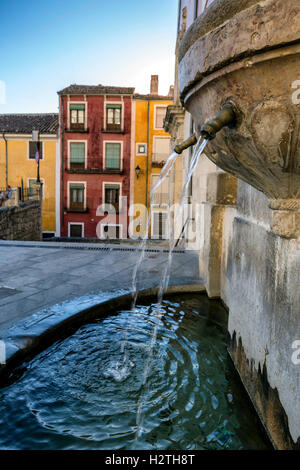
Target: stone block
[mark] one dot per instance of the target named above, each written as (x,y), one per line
(285,217)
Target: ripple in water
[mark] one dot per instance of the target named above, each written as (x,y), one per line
(119,371)
(83,393)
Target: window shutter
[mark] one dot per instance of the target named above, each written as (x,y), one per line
(160,229)
(160,116)
(161,194)
(77,152)
(112,156)
(77,107)
(33,148)
(77,186)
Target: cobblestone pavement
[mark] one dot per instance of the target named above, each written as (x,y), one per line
(36,275)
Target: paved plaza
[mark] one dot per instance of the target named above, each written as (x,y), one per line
(37,275)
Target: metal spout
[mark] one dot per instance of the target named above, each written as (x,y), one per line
(225,117)
(192,140)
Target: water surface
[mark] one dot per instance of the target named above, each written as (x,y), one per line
(75,394)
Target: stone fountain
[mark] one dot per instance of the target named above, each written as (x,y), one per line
(247,53)
(242,57)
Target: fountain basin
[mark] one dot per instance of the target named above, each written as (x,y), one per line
(68,398)
(248,53)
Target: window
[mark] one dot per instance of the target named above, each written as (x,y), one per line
(77,116)
(113,117)
(32,190)
(161,195)
(159,225)
(33,148)
(77,197)
(77,155)
(111,231)
(161,149)
(112,195)
(141,149)
(160,113)
(113,156)
(76,230)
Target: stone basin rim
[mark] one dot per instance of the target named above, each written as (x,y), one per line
(210,43)
(214,16)
(249,61)
(45,332)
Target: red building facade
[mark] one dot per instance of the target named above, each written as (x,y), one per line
(96,141)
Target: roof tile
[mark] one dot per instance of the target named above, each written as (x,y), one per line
(26,123)
(95,90)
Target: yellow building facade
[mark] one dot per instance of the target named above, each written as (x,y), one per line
(18,165)
(150,150)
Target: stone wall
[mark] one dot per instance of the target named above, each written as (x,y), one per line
(23,222)
(256,273)
(262,293)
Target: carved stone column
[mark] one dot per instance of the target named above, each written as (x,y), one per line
(174,124)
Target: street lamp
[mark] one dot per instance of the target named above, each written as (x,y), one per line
(138,171)
(36,138)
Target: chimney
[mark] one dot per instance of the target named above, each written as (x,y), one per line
(154,85)
(171,92)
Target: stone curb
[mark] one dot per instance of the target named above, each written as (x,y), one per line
(87,246)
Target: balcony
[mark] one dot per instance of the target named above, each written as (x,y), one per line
(113,130)
(91,204)
(159,159)
(77,127)
(160,199)
(93,165)
(77,207)
(79,130)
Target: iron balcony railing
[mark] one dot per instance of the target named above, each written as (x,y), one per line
(158,160)
(91,204)
(160,198)
(93,165)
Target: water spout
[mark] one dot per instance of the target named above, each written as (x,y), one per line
(192,140)
(227,116)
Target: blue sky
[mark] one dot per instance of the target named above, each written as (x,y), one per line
(45,46)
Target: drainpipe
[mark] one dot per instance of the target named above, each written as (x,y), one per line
(61,134)
(6,159)
(196,9)
(190,190)
(147,162)
(179,16)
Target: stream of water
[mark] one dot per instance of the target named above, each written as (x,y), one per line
(198,150)
(121,369)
